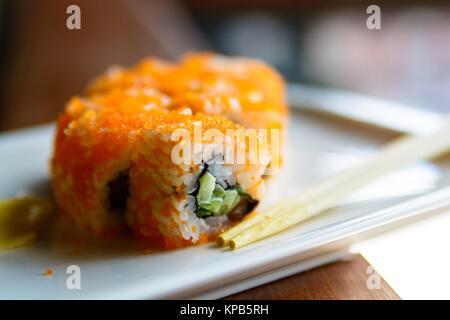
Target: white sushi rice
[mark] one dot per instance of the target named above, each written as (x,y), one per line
(211,225)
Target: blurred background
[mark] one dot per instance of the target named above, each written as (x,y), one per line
(323,43)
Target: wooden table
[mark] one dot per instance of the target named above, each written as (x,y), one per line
(337,280)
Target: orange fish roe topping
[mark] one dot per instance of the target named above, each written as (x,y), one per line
(48,272)
(180,188)
(148,251)
(207,83)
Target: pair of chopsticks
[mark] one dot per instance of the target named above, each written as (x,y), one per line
(323,195)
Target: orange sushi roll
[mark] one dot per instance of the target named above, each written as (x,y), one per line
(169,151)
(115,168)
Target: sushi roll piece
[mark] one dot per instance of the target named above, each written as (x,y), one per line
(120,162)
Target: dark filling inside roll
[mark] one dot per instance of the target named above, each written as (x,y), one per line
(244,206)
(119,192)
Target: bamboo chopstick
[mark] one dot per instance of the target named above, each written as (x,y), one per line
(402,151)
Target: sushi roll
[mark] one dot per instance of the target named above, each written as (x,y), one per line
(172,152)
(115,168)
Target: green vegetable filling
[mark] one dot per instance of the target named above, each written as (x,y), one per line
(213,200)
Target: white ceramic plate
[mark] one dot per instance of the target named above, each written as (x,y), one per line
(317,148)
